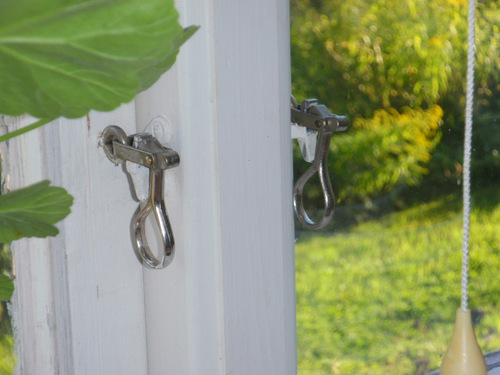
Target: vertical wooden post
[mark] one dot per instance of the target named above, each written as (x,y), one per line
(227,303)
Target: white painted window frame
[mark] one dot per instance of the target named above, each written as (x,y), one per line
(226,305)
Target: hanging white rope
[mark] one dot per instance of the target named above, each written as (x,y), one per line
(464,355)
(468,151)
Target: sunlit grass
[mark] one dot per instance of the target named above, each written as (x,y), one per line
(381,298)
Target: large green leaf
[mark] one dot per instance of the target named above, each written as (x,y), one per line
(66,57)
(6,287)
(33,211)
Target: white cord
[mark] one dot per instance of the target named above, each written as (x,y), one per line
(468,151)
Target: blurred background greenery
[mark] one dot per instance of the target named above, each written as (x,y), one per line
(377,289)
(7,358)
(397,69)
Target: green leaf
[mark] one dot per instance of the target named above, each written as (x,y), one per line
(33,211)
(66,57)
(6,287)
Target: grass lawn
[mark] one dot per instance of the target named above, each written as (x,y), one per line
(380,298)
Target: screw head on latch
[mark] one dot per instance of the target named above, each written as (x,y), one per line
(112,134)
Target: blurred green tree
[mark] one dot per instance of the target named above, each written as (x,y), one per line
(398,146)
(403,57)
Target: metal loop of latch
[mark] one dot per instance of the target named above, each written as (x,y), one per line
(145,150)
(317,119)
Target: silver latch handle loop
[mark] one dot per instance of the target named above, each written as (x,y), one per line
(319,165)
(154,206)
(316,118)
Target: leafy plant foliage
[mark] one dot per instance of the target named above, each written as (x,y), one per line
(30,212)
(385,150)
(6,287)
(33,211)
(64,58)
(362,55)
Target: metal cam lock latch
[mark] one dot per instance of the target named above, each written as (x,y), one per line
(317,119)
(145,150)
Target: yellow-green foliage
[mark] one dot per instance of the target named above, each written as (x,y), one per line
(7,358)
(383,151)
(381,298)
(361,55)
